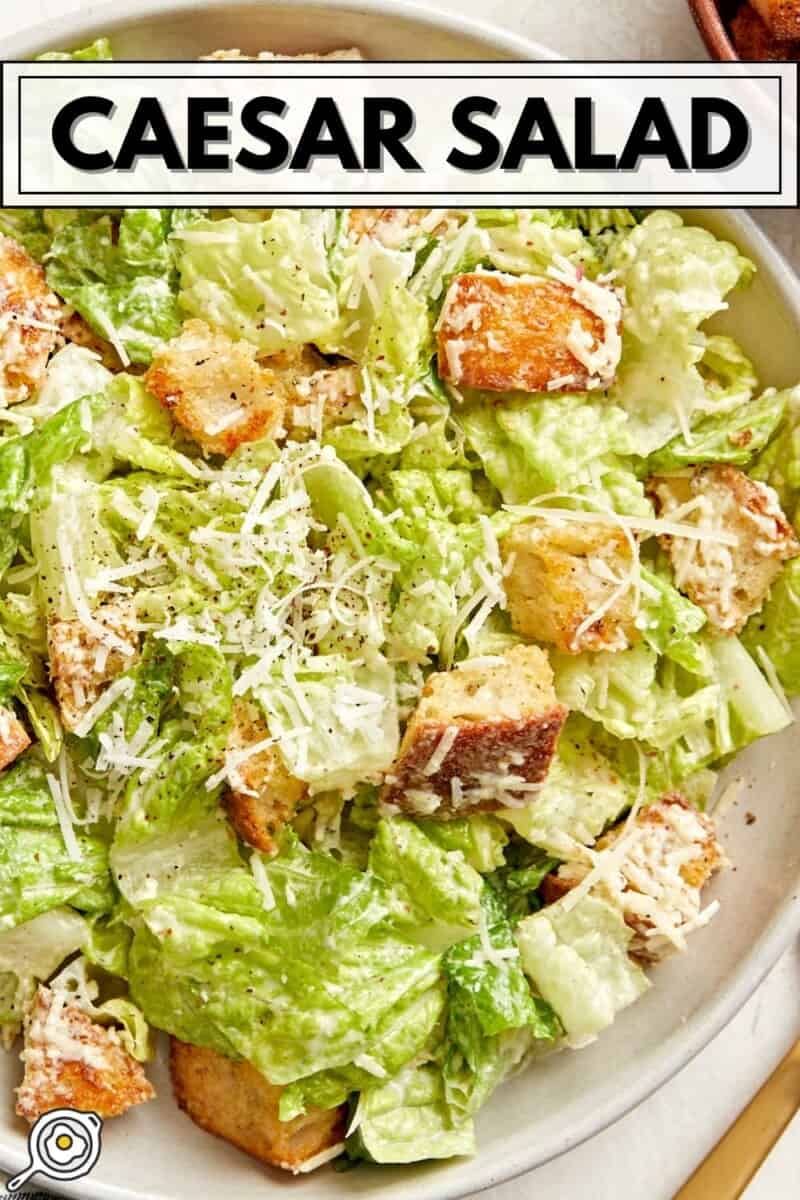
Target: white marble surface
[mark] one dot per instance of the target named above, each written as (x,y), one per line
(648,1154)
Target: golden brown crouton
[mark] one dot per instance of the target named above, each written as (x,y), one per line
(264,795)
(671,852)
(72,1062)
(754,42)
(234,1101)
(566,585)
(743,540)
(13,736)
(30,323)
(83,661)
(390,226)
(319,395)
(79,331)
(481,738)
(782,17)
(216,389)
(505,333)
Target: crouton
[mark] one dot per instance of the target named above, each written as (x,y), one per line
(564,585)
(390,226)
(265,795)
(83,662)
(743,540)
(782,18)
(481,738)
(216,389)
(234,1101)
(30,317)
(319,395)
(79,331)
(754,42)
(72,1062)
(13,736)
(671,852)
(503,333)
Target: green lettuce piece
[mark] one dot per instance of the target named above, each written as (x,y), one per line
(494,994)
(72,373)
(683,723)
(12,670)
(134,428)
(732,437)
(99,49)
(120,277)
(775,631)
(337,493)
(540,445)
(675,277)
(298,977)
(355,730)
(26,226)
(37,871)
(442,589)
(108,943)
(668,622)
(518,881)
(67,521)
(401,1036)
(528,240)
(408,1119)
(754,709)
(577,957)
(174,797)
(267,282)
(729,376)
(622,693)
(779,464)
(494,1020)
(26,463)
(480,838)
(583,794)
(436,890)
(29,954)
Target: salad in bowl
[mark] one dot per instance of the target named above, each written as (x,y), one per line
(382,591)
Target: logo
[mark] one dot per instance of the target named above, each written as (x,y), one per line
(63,1144)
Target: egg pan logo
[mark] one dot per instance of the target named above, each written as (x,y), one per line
(63,1144)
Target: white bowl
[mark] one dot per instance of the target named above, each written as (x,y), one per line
(155,1153)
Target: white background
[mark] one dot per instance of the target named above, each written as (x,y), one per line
(648,1154)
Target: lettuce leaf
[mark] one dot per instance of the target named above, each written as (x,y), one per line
(267,282)
(577,957)
(734,437)
(408,1119)
(775,631)
(435,890)
(120,278)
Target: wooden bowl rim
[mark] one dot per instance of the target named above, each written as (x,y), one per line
(712,29)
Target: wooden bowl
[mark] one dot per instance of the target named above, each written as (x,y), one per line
(712,18)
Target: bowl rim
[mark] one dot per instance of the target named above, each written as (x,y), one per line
(713,30)
(112,14)
(639,1080)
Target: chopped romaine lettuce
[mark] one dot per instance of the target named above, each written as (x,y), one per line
(408,1119)
(577,957)
(267,282)
(775,631)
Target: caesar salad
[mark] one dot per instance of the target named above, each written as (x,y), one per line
(382,592)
